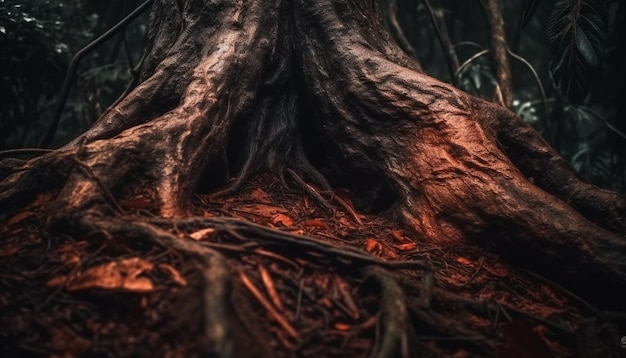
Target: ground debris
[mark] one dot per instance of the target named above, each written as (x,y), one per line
(97,295)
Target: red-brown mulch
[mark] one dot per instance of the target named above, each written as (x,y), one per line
(95,295)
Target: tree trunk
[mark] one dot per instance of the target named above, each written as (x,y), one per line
(318,90)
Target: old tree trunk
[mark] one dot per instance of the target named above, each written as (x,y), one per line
(317,94)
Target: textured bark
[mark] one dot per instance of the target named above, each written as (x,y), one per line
(234,87)
(446,161)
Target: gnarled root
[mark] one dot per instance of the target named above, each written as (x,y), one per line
(455,167)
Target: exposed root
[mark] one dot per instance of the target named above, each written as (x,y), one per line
(317,196)
(349,209)
(218,340)
(21,184)
(491,308)
(251,98)
(272,236)
(544,167)
(439,160)
(393,315)
(107,194)
(233,187)
(427,310)
(310,191)
(415,314)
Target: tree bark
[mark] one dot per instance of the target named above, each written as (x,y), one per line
(231,88)
(448,160)
(499,50)
(451,166)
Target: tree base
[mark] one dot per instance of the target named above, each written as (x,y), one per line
(316,94)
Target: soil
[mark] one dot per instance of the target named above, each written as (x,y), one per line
(98,295)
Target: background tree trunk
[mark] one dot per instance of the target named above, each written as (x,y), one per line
(317,94)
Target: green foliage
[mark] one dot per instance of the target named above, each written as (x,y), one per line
(581,118)
(528,11)
(568,59)
(36,43)
(585,141)
(576,41)
(476,76)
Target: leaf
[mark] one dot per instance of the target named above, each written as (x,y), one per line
(123,275)
(282,219)
(266,211)
(529,9)
(576,35)
(343,327)
(397,235)
(260,196)
(202,234)
(406,247)
(19,217)
(376,248)
(316,223)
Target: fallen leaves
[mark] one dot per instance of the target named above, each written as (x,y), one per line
(70,252)
(342,327)
(406,247)
(316,223)
(262,210)
(122,275)
(19,217)
(398,236)
(464,261)
(295,290)
(261,196)
(374,247)
(202,234)
(282,219)
(306,217)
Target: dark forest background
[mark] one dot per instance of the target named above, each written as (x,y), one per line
(570,87)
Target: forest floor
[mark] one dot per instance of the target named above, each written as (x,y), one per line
(100,295)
